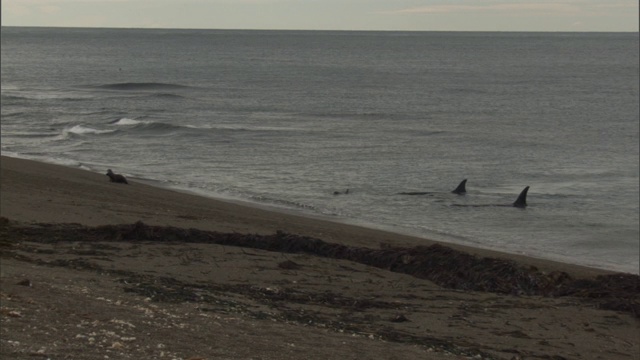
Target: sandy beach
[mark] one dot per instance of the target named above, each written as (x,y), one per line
(92,269)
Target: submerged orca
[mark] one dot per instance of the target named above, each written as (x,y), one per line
(521,201)
(460,190)
(116,178)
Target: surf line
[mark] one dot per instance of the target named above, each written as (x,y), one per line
(521,201)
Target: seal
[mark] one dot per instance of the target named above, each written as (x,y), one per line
(116,178)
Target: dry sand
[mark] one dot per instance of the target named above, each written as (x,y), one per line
(70,291)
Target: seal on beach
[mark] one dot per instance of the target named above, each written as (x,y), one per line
(116,178)
(460,190)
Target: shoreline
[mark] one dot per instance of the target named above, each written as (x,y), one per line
(464,245)
(73,195)
(91,268)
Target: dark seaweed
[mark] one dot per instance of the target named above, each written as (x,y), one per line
(442,265)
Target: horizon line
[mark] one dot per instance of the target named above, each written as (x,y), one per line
(332,30)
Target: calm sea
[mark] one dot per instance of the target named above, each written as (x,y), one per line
(285,118)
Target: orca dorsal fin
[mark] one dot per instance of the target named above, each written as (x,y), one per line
(462,188)
(521,202)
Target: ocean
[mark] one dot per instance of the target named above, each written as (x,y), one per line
(283,119)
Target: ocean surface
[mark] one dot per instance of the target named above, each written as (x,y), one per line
(285,118)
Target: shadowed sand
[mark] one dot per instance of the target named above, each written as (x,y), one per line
(152,290)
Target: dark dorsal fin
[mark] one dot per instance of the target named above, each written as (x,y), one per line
(521,202)
(461,189)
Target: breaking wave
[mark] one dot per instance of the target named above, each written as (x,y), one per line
(155,125)
(81,130)
(128,122)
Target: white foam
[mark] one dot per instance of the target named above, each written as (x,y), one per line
(44,159)
(8,87)
(126,121)
(59,161)
(12,154)
(79,129)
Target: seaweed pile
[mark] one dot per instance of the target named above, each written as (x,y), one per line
(442,265)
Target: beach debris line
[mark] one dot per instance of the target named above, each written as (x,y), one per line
(399,318)
(25,282)
(440,264)
(289,265)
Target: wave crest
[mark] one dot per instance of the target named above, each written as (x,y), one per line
(127,122)
(141,86)
(81,130)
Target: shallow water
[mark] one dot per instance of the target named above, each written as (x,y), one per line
(285,119)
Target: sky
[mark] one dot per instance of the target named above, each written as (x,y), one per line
(410,15)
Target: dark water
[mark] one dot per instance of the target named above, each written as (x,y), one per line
(285,118)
